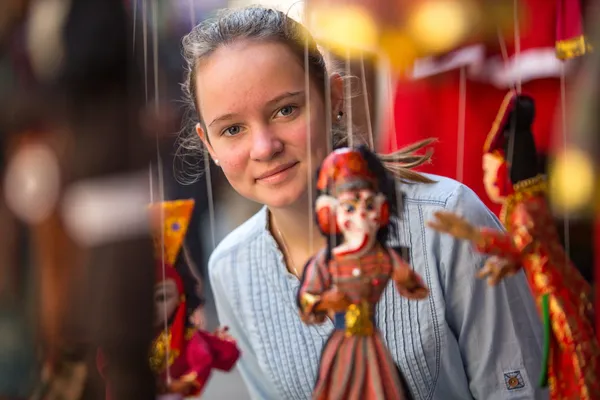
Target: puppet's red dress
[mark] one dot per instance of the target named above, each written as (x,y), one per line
(355,363)
(562,295)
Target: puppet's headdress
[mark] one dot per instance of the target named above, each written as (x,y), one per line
(345,169)
(170,222)
(511,136)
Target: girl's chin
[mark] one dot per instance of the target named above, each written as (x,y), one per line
(284,197)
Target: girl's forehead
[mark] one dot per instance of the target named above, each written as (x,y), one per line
(256,70)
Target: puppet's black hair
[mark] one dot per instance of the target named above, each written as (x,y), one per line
(386,185)
(191,278)
(519,144)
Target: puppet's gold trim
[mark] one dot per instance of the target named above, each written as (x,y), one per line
(308,302)
(358,319)
(574,47)
(522,190)
(496,125)
(158,353)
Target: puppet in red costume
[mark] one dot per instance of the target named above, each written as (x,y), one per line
(182,357)
(347,278)
(531,242)
(550,33)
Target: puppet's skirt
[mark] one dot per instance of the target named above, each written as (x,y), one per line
(357,368)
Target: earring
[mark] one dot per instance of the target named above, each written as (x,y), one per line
(339,116)
(217,162)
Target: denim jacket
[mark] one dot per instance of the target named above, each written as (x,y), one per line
(466,340)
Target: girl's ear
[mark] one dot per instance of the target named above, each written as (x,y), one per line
(336,83)
(203,135)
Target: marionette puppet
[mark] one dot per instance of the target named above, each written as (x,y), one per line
(346,279)
(571,352)
(182,356)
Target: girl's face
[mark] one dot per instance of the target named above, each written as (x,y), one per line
(257,123)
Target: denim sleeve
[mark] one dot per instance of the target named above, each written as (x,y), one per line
(498,329)
(257,383)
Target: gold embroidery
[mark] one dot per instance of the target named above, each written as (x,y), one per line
(158,352)
(308,301)
(523,190)
(358,319)
(573,47)
(496,125)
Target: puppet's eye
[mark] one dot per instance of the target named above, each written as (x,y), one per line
(349,208)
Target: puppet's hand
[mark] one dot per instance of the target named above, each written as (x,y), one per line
(313,318)
(454,225)
(410,284)
(496,268)
(184,387)
(198,318)
(222,333)
(333,300)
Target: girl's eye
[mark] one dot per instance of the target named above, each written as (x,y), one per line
(286,111)
(232,130)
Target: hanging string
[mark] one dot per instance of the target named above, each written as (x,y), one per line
(145,37)
(462,110)
(134,23)
(366,99)
(193,13)
(160,172)
(563,109)
(389,99)
(206,159)
(309,145)
(328,105)
(518,83)
(348,100)
(517,42)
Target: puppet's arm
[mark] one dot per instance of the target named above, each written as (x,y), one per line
(486,240)
(316,295)
(408,283)
(201,361)
(224,348)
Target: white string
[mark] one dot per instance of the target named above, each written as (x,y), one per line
(193,13)
(134,23)
(328,105)
(209,194)
(563,103)
(392,128)
(151,186)
(348,101)
(309,146)
(517,43)
(366,98)
(145,36)
(161,186)
(462,110)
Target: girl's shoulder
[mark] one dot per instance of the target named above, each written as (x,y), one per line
(238,244)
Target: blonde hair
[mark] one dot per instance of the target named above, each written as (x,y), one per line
(266,24)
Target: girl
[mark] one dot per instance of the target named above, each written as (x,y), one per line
(267,127)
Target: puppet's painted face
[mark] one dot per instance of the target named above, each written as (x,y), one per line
(166,300)
(494,180)
(358,214)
